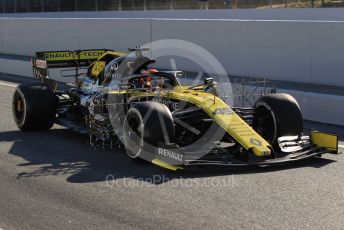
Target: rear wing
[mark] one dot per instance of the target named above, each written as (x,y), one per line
(78,59)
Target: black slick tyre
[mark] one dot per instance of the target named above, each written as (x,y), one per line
(277,115)
(147,124)
(34,107)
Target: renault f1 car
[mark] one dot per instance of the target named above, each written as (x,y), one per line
(118,98)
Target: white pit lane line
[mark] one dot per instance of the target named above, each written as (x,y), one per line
(7,84)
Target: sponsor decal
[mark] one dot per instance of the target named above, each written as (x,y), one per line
(40,64)
(66,55)
(223,111)
(255,142)
(98,67)
(170,154)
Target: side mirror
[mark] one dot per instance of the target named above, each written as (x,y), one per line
(176,74)
(208,81)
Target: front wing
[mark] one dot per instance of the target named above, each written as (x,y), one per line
(175,158)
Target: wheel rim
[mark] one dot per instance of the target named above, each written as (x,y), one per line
(19,108)
(265,123)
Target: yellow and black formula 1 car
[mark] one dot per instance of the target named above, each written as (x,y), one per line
(118,98)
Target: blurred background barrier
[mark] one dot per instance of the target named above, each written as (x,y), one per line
(286,50)
(14,6)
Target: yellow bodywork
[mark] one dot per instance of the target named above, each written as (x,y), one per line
(220,112)
(325,140)
(226,118)
(98,66)
(109,53)
(166,165)
(101,56)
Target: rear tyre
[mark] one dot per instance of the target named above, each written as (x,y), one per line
(147,124)
(34,107)
(277,115)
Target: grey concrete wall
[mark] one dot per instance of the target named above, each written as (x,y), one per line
(301,51)
(310,52)
(1,35)
(26,36)
(309,48)
(16,67)
(319,107)
(291,50)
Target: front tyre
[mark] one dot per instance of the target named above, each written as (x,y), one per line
(147,125)
(34,107)
(277,115)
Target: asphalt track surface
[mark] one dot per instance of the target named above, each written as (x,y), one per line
(55,180)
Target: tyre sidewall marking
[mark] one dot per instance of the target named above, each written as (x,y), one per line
(24,107)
